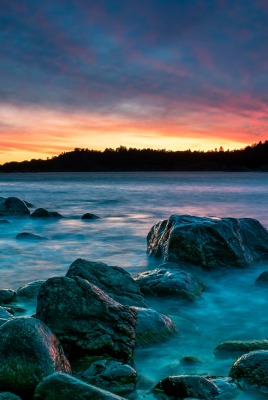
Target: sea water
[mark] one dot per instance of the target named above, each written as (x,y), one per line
(128,204)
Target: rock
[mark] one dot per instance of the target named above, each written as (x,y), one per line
(5,314)
(184,386)
(152,326)
(85,319)
(7,296)
(227,387)
(4,222)
(9,396)
(190,360)
(60,386)
(89,216)
(28,204)
(236,348)
(30,236)
(30,290)
(262,279)
(170,282)
(114,281)
(209,242)
(250,371)
(43,213)
(111,375)
(29,351)
(13,206)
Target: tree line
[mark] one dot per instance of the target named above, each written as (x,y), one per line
(251,158)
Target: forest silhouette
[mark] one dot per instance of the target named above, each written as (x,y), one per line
(251,158)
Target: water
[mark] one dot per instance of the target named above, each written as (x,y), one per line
(129,204)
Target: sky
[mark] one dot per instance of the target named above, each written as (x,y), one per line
(164,74)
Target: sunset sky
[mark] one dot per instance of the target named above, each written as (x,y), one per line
(174,74)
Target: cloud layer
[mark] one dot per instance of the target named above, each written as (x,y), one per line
(151,74)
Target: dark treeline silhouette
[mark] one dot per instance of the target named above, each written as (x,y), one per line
(254,157)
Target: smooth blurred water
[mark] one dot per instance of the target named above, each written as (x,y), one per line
(129,204)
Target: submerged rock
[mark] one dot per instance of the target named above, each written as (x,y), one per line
(13,206)
(60,386)
(251,371)
(30,236)
(209,242)
(29,351)
(43,213)
(29,291)
(236,348)
(262,280)
(170,282)
(152,326)
(7,296)
(85,319)
(4,221)
(184,386)
(111,375)
(89,216)
(114,281)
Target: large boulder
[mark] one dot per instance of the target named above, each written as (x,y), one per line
(29,291)
(114,281)
(85,319)
(251,371)
(209,242)
(111,375)
(65,387)
(169,280)
(236,348)
(29,351)
(13,206)
(152,326)
(7,296)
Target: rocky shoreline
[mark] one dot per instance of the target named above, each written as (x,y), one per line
(81,339)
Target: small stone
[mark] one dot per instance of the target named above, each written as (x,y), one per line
(43,213)
(89,216)
(30,236)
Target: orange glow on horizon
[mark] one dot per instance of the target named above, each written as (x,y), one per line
(28,132)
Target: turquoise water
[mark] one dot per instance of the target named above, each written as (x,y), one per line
(129,204)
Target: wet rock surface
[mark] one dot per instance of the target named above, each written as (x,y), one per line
(60,386)
(251,371)
(29,291)
(43,213)
(85,319)
(13,206)
(29,351)
(7,296)
(209,242)
(111,375)
(114,281)
(9,396)
(169,280)
(30,236)
(152,326)
(185,386)
(236,348)
(89,216)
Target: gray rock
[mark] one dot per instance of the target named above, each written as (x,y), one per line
(85,319)
(114,281)
(43,213)
(111,375)
(236,348)
(209,242)
(7,296)
(89,216)
(13,206)
(184,386)
(29,351)
(152,326)
(262,280)
(64,387)
(29,291)
(30,236)
(9,396)
(170,282)
(251,371)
